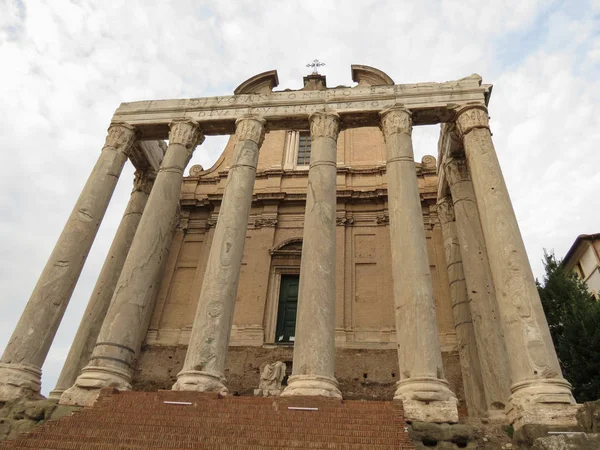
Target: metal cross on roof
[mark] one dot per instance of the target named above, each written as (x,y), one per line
(315,66)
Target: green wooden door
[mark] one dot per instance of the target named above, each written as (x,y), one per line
(288,304)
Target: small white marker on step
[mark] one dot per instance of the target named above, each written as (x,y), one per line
(178,403)
(300,408)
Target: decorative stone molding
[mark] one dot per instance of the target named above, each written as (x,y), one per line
(396,120)
(250,128)
(324,124)
(471,117)
(265,222)
(428,162)
(456,170)
(211,222)
(196,170)
(370,76)
(445,210)
(382,219)
(143,181)
(185,132)
(121,136)
(345,221)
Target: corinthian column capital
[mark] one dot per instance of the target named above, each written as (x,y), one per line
(396,120)
(456,170)
(471,117)
(324,124)
(251,128)
(185,132)
(121,136)
(143,181)
(445,210)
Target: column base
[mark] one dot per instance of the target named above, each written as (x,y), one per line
(87,387)
(542,402)
(200,381)
(312,385)
(427,399)
(56,394)
(19,381)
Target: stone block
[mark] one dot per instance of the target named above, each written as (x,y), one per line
(568,442)
(39,410)
(4,428)
(62,411)
(430,433)
(21,426)
(588,416)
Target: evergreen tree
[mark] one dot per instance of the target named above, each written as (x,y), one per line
(573,316)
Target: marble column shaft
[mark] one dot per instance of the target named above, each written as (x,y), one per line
(93,317)
(20,366)
(422,388)
(480,288)
(204,365)
(465,334)
(314,345)
(534,368)
(130,308)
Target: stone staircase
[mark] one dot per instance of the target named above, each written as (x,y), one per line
(142,420)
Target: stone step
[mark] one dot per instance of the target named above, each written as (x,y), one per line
(136,420)
(140,440)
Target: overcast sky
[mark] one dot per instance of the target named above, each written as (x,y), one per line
(66,66)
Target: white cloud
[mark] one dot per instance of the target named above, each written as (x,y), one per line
(68,65)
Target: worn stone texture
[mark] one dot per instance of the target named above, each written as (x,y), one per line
(483,306)
(133,301)
(205,359)
(22,415)
(535,373)
(93,317)
(314,347)
(28,346)
(568,442)
(368,374)
(465,334)
(422,388)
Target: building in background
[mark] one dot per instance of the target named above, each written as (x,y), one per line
(583,258)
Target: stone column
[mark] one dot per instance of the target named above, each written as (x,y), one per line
(422,388)
(314,346)
(538,388)
(20,366)
(465,335)
(480,287)
(204,366)
(93,317)
(123,330)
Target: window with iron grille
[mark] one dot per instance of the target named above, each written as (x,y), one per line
(304,144)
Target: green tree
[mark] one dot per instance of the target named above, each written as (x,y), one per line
(574,319)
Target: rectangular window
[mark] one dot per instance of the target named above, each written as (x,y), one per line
(304,143)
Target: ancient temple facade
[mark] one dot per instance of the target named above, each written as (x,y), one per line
(316,240)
